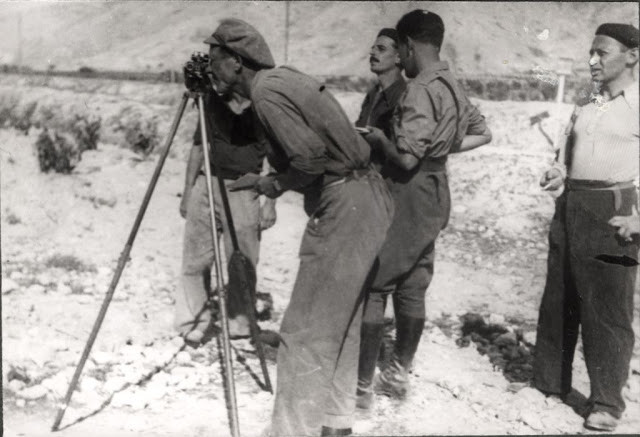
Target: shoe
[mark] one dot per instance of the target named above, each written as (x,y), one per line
(239,327)
(601,421)
(364,398)
(392,381)
(330,432)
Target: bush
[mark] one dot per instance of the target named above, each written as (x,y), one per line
(68,262)
(16,113)
(140,129)
(57,152)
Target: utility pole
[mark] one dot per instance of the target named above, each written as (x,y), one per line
(19,52)
(286,31)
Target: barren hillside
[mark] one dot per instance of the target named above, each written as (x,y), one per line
(325,37)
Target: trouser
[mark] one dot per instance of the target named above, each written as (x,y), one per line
(318,357)
(405,268)
(198,253)
(591,274)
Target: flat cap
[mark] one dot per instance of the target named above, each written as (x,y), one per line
(243,39)
(624,33)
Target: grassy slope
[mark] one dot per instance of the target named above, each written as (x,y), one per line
(325,37)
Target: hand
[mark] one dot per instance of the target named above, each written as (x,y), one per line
(267,214)
(269,186)
(628,225)
(374,137)
(551,180)
(184,202)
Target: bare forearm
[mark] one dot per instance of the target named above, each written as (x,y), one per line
(470,142)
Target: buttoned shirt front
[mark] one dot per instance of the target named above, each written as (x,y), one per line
(306,126)
(379,104)
(427,122)
(605,141)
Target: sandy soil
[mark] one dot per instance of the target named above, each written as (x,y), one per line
(141,380)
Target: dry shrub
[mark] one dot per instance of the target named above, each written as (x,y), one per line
(67,131)
(16,112)
(139,128)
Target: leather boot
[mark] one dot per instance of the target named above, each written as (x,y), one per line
(371,335)
(333,432)
(394,380)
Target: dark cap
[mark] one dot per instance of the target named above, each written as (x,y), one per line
(422,26)
(624,33)
(244,40)
(389,33)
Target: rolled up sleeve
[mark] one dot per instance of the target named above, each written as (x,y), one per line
(415,122)
(284,123)
(477,123)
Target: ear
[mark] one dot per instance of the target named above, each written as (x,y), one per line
(411,44)
(237,63)
(632,56)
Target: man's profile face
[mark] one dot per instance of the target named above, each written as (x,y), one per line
(383,55)
(407,59)
(223,69)
(608,59)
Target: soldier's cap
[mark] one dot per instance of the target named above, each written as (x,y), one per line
(389,33)
(244,40)
(623,33)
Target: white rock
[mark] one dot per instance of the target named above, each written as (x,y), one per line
(183,357)
(532,418)
(36,289)
(496,319)
(34,392)
(114,384)
(102,358)
(9,285)
(15,385)
(187,384)
(57,384)
(20,403)
(15,275)
(88,384)
(64,289)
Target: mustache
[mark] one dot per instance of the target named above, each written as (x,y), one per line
(373,58)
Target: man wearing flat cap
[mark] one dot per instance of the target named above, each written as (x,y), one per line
(433,118)
(315,150)
(593,246)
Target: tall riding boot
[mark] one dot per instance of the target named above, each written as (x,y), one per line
(394,380)
(371,335)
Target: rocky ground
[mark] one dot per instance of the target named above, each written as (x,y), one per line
(62,236)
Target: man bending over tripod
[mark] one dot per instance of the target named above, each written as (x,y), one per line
(236,151)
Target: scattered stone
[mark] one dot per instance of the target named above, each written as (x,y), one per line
(532,418)
(9,285)
(15,385)
(515,387)
(101,358)
(20,403)
(529,338)
(178,341)
(34,392)
(496,319)
(36,289)
(183,357)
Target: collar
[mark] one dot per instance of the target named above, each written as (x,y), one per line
(432,70)
(393,92)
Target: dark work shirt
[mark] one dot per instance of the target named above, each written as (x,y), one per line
(377,110)
(306,126)
(426,122)
(236,148)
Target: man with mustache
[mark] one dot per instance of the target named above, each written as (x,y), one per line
(377,110)
(593,256)
(315,150)
(433,118)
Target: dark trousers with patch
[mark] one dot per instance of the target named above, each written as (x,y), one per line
(590,283)
(318,356)
(405,263)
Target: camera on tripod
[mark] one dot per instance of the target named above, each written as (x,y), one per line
(195,70)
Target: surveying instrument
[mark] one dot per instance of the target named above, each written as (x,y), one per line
(242,275)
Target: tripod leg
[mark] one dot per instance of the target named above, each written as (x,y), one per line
(230,391)
(122,261)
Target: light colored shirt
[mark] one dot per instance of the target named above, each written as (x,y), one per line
(426,119)
(605,143)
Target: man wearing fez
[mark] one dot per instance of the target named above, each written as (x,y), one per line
(315,150)
(593,256)
(432,119)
